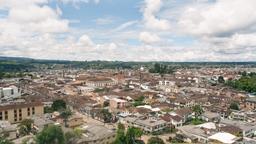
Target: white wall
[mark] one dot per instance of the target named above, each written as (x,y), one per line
(9,93)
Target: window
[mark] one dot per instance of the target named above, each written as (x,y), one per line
(15,114)
(28,111)
(12,92)
(1,116)
(33,110)
(6,115)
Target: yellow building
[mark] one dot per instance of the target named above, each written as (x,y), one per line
(75,121)
(17,112)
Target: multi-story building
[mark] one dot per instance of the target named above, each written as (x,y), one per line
(98,81)
(250,103)
(148,125)
(8,93)
(17,112)
(117,103)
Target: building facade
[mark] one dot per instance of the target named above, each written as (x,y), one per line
(117,103)
(15,113)
(250,103)
(8,93)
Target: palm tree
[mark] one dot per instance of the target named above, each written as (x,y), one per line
(65,115)
(26,126)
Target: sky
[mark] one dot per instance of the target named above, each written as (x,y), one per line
(129,30)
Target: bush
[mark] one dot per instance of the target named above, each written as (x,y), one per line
(155,140)
(59,105)
(234,106)
(197,121)
(139,101)
(48,110)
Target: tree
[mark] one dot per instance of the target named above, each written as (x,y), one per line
(48,110)
(105,104)
(130,135)
(155,140)
(245,83)
(120,135)
(106,115)
(161,69)
(244,73)
(25,126)
(133,133)
(78,132)
(58,105)
(4,140)
(221,79)
(51,135)
(138,132)
(234,106)
(70,137)
(1,75)
(197,109)
(65,115)
(139,101)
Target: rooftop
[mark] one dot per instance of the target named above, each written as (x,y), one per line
(224,137)
(19,105)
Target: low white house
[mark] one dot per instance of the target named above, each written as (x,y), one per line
(223,137)
(8,93)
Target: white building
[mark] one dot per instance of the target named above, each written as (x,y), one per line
(148,125)
(8,93)
(168,86)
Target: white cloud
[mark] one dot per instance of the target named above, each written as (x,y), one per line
(126,25)
(219,18)
(85,40)
(237,43)
(149,38)
(77,2)
(5,4)
(221,30)
(150,10)
(35,16)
